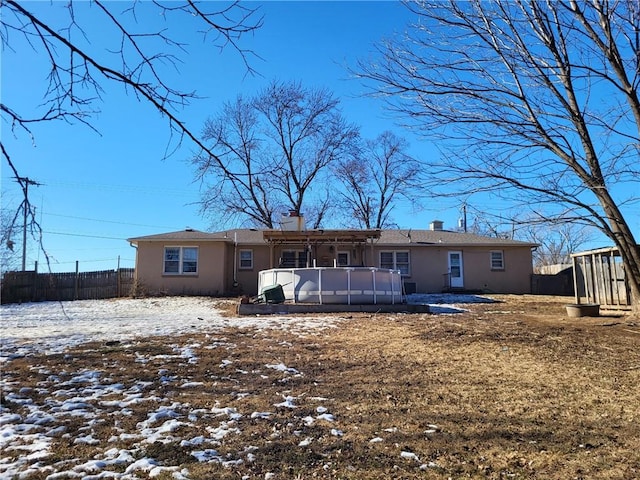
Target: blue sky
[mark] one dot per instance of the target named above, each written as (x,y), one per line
(97,189)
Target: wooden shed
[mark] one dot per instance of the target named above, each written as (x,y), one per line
(599,278)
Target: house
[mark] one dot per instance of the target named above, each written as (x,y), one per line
(192,262)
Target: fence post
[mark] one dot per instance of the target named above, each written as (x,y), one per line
(34,282)
(75,283)
(118,273)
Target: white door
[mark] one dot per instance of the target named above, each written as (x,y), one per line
(456,273)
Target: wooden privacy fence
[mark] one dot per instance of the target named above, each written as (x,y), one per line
(32,286)
(558,284)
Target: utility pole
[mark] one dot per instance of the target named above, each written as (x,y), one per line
(464,216)
(463,220)
(26,207)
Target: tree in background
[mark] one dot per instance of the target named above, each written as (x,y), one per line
(556,243)
(236,179)
(536,102)
(375,178)
(271,153)
(9,247)
(82,63)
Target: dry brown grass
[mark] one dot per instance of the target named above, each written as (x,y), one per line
(507,390)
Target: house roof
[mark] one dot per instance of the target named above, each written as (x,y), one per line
(439,237)
(182,235)
(240,235)
(190,235)
(392,238)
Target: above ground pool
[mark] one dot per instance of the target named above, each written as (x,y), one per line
(335,285)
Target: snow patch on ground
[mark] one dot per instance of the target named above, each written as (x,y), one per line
(446,303)
(53,327)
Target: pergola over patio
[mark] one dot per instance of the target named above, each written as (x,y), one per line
(312,239)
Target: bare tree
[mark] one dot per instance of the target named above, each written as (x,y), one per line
(488,226)
(556,243)
(538,101)
(375,178)
(270,153)
(9,256)
(236,180)
(81,65)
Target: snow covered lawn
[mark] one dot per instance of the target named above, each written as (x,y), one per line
(174,388)
(54,326)
(68,404)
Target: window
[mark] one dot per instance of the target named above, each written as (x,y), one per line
(246,259)
(402,262)
(396,261)
(172,260)
(386,260)
(189,260)
(293,259)
(497,260)
(343,259)
(181,260)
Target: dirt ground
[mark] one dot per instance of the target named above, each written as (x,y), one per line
(513,389)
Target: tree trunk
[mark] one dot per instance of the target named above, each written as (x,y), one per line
(623,239)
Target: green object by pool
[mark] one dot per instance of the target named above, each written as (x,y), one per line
(273,294)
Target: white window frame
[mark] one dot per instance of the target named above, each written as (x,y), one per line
(180,260)
(241,260)
(493,266)
(395,264)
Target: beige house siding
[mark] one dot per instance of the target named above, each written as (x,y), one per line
(430,266)
(248,278)
(427,267)
(220,271)
(209,280)
(515,278)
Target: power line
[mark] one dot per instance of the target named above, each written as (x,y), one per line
(137,189)
(95,261)
(59,250)
(84,235)
(109,221)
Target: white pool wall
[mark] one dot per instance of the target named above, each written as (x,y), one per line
(336,285)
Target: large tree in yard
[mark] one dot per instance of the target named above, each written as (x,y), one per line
(375,178)
(269,154)
(535,101)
